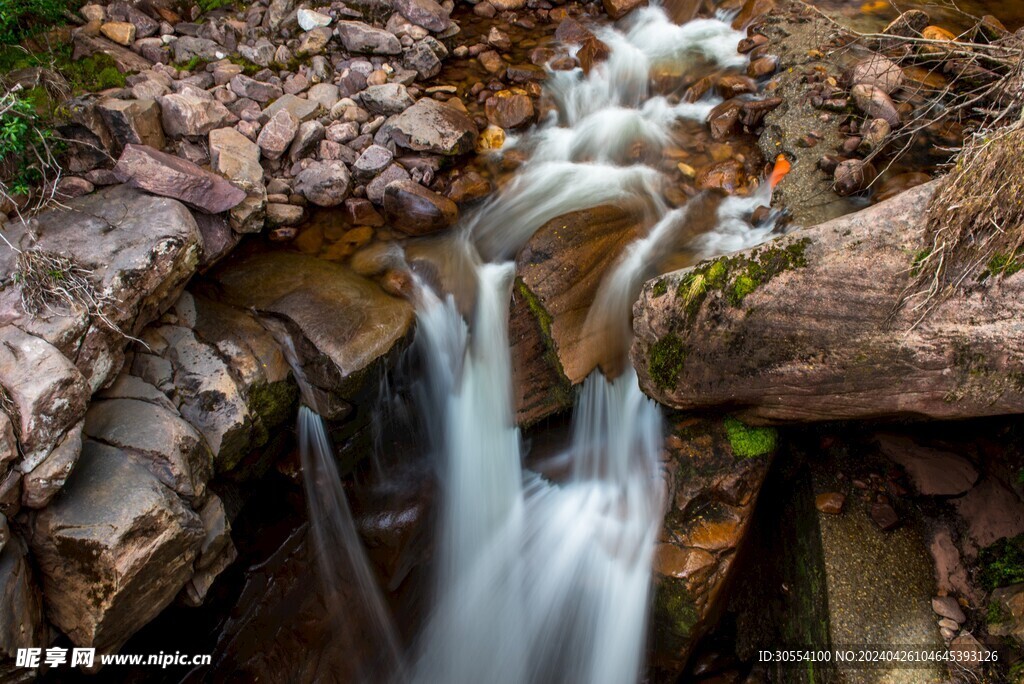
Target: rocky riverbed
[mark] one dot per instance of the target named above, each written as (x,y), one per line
(266,187)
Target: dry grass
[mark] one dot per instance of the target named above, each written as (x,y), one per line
(975,228)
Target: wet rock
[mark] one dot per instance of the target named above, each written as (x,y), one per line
(358,37)
(908,24)
(876,71)
(372,161)
(830,502)
(425,57)
(169,176)
(884,515)
(894,185)
(727,175)
(617,9)
(875,134)
(132,122)
(491,61)
(934,472)
(875,103)
(387,99)
(187,114)
(947,607)
(425,13)
(763,66)
(429,126)
(752,112)
(724,119)
(732,85)
(592,51)
(509,109)
(324,183)
(284,214)
(416,210)
(113,550)
(375,188)
(853,176)
(468,187)
(368,324)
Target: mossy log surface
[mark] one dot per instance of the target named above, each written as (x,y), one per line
(809,327)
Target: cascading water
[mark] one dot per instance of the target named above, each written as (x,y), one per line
(541,581)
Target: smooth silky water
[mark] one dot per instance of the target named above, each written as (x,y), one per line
(539,581)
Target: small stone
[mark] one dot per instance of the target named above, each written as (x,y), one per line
(278,134)
(763,66)
(491,61)
(830,502)
(360,212)
(509,109)
(948,607)
(324,183)
(617,9)
(853,176)
(358,37)
(372,161)
(884,515)
(949,624)
(387,99)
(425,13)
(284,215)
(309,20)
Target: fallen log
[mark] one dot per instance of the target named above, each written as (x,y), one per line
(816,325)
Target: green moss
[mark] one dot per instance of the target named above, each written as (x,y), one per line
(660,288)
(274,402)
(192,64)
(248,68)
(536,308)
(93,73)
(1002,264)
(997,613)
(1002,563)
(665,361)
(675,615)
(211,5)
(750,442)
(743,286)
(918,262)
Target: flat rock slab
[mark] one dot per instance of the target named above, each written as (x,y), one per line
(346,317)
(170,176)
(141,250)
(934,472)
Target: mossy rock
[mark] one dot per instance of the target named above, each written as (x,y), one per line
(750,442)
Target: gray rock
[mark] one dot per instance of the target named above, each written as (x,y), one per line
(278,134)
(425,13)
(324,94)
(425,57)
(306,140)
(169,176)
(156,438)
(44,481)
(324,183)
(188,114)
(429,126)
(375,189)
(372,161)
(113,550)
(313,42)
(189,47)
(309,19)
(260,53)
(874,102)
(358,37)
(284,215)
(388,99)
(48,391)
(301,108)
(244,86)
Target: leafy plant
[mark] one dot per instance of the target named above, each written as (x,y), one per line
(1002,563)
(27,147)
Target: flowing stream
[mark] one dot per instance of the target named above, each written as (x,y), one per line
(540,581)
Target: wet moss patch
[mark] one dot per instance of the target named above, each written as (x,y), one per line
(750,442)
(1002,563)
(665,361)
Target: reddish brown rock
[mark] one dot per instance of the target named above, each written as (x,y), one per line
(416,210)
(617,9)
(509,109)
(830,502)
(169,176)
(853,176)
(727,175)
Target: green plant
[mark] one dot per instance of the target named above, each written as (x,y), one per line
(1002,563)
(211,5)
(22,18)
(24,146)
(750,442)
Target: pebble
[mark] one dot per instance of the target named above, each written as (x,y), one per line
(884,515)
(830,502)
(948,607)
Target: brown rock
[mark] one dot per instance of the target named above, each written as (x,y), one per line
(877,71)
(491,61)
(933,472)
(509,109)
(752,10)
(121,32)
(360,212)
(875,103)
(830,502)
(132,122)
(617,9)
(763,66)
(908,24)
(468,187)
(592,51)
(853,176)
(725,175)
(169,176)
(416,210)
(724,119)
(884,515)
(732,85)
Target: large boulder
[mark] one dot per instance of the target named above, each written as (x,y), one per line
(170,176)
(810,327)
(113,550)
(337,349)
(21,608)
(429,126)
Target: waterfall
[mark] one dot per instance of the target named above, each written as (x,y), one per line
(541,581)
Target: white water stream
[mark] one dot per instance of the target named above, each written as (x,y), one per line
(540,581)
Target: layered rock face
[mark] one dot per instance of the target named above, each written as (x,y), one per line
(813,327)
